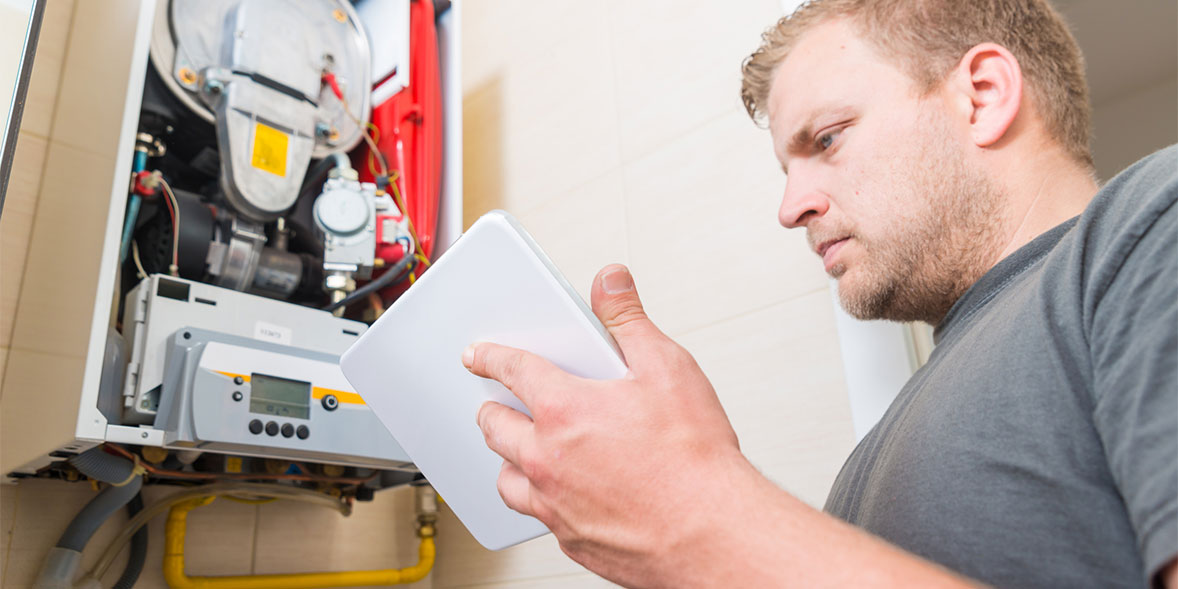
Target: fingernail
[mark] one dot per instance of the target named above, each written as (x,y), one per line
(617,281)
(468,356)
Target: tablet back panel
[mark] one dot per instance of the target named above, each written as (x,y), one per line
(493,285)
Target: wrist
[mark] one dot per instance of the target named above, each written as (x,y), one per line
(730,498)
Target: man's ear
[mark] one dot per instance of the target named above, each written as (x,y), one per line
(990,85)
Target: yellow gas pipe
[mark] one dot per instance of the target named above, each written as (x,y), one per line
(174,532)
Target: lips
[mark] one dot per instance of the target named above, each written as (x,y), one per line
(828,249)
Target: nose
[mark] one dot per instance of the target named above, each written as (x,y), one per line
(801,203)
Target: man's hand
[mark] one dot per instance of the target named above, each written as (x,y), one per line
(628,474)
(642,480)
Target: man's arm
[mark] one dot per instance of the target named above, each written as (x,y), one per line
(642,480)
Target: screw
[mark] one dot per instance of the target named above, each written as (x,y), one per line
(143,435)
(187,76)
(214,86)
(322,130)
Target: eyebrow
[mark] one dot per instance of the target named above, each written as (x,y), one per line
(802,138)
(799,141)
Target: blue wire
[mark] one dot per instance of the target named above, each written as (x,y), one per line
(139,164)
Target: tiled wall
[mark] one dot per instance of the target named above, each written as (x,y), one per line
(614,131)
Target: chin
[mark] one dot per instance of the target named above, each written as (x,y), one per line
(863,297)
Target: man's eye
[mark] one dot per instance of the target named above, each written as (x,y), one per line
(827,139)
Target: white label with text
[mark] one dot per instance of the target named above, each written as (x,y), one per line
(272,333)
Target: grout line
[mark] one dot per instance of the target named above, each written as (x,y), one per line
(519,212)
(11,533)
(678,137)
(20,275)
(610,25)
(254,540)
(745,313)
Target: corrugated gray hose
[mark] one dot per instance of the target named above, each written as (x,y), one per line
(125,480)
(124,485)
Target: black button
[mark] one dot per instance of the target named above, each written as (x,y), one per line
(304,432)
(271,428)
(256,426)
(330,402)
(238,380)
(287,430)
(236,395)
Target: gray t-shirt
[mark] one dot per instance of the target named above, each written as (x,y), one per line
(1039,445)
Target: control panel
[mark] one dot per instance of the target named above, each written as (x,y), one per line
(234,394)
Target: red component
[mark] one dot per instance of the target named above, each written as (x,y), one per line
(139,184)
(391,253)
(329,79)
(410,126)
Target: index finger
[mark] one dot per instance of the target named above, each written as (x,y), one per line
(523,373)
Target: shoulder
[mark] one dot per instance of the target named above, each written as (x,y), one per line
(1133,212)
(1142,191)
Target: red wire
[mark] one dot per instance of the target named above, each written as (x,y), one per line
(335,89)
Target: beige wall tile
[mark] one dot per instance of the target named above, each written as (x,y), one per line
(506,30)
(463,561)
(583,230)
(57,319)
(298,537)
(28,429)
(43,510)
(16,224)
(549,123)
(3,365)
(779,375)
(88,113)
(7,518)
(483,170)
(702,227)
(678,64)
(43,84)
(220,540)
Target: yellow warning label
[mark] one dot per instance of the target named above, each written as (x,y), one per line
(232,464)
(269,149)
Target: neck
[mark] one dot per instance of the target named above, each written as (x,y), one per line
(1049,189)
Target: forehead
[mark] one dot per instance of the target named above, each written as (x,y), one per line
(829,67)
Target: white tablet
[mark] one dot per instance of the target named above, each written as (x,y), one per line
(493,285)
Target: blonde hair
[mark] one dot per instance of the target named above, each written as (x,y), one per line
(927,39)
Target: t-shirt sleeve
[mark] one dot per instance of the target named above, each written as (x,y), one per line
(1134,343)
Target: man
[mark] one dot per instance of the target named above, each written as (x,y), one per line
(937,156)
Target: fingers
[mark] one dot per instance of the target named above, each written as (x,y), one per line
(616,304)
(515,489)
(526,375)
(505,430)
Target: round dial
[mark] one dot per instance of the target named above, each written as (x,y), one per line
(341,211)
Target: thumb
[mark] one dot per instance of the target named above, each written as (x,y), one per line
(616,303)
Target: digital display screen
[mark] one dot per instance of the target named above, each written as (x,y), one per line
(271,395)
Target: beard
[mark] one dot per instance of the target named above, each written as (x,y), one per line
(916,268)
